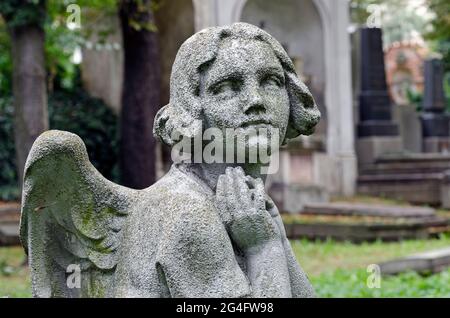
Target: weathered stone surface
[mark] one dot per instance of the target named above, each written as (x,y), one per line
(297,195)
(371,148)
(9,224)
(374,103)
(377,133)
(413,177)
(435,122)
(365,232)
(434,97)
(410,128)
(9,233)
(9,211)
(204,229)
(343,208)
(364,228)
(417,188)
(426,262)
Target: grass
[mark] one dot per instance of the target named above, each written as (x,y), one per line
(320,257)
(353,283)
(14,278)
(340,269)
(336,269)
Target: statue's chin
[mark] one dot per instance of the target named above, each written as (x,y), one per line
(258,143)
(258,149)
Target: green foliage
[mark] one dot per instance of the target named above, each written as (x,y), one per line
(70,108)
(441,21)
(5,269)
(74,111)
(335,269)
(447,85)
(60,45)
(415,98)
(14,277)
(339,269)
(92,11)
(19,13)
(60,41)
(8,174)
(322,256)
(5,61)
(443,47)
(441,30)
(353,283)
(93,121)
(359,10)
(400,19)
(138,13)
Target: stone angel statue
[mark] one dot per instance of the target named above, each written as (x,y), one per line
(206,229)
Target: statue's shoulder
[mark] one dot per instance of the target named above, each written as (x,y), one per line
(181,202)
(179,191)
(173,209)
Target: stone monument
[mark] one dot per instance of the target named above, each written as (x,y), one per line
(435,122)
(377,133)
(204,229)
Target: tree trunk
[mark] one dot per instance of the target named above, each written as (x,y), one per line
(140,97)
(30,95)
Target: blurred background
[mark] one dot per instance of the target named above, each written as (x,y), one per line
(370,187)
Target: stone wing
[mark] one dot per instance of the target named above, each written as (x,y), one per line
(72,219)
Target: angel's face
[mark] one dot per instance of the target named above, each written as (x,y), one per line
(245,89)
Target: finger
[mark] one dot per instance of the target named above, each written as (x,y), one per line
(238,170)
(257,190)
(222,200)
(269,202)
(260,194)
(231,195)
(271,207)
(280,226)
(220,187)
(242,190)
(256,186)
(250,182)
(232,198)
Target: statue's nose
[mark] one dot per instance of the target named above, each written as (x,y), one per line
(254,103)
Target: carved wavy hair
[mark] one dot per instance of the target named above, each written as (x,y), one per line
(184,111)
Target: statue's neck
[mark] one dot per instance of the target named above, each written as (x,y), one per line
(209,172)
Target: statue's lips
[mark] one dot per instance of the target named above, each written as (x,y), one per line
(256,123)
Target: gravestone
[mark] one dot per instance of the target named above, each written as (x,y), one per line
(9,224)
(427,262)
(410,128)
(377,133)
(435,122)
(361,209)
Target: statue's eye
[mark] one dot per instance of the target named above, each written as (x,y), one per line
(226,87)
(272,81)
